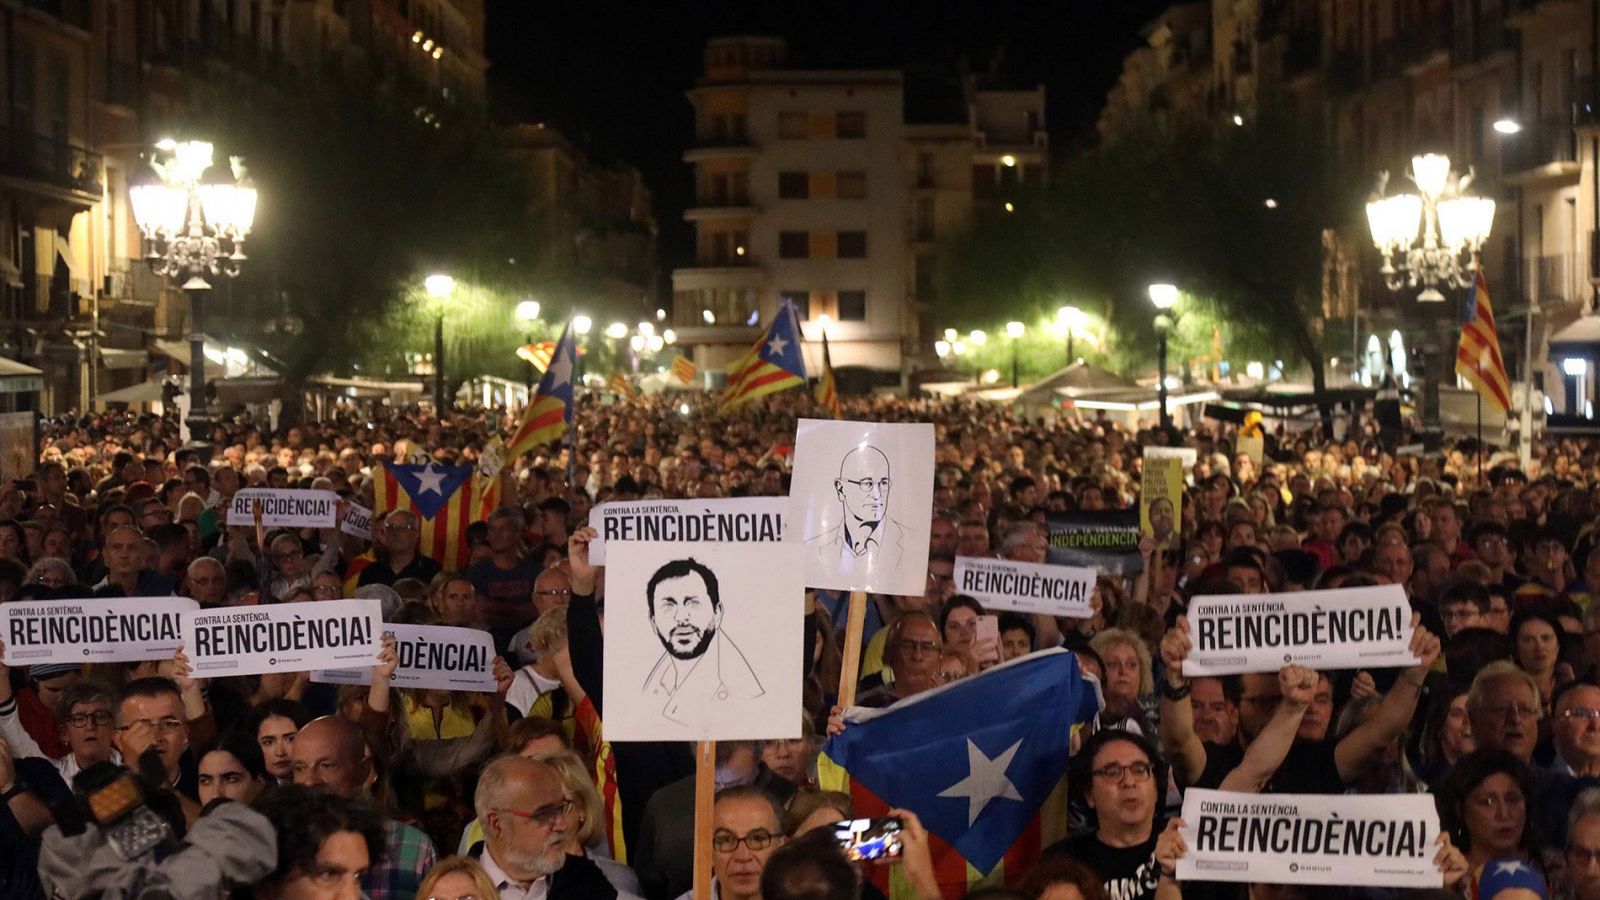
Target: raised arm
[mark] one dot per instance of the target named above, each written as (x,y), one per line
(584,640)
(1361,747)
(1178,740)
(1266,753)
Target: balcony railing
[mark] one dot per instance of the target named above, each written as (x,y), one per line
(38,158)
(723,198)
(1557,278)
(1539,144)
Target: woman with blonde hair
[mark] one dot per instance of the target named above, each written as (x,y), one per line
(455,877)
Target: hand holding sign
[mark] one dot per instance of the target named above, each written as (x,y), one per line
(1170,847)
(583,573)
(388,660)
(1452,862)
(1175,647)
(1425,647)
(503,676)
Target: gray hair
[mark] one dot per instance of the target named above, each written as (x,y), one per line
(1499,670)
(1586,804)
(496,780)
(46,564)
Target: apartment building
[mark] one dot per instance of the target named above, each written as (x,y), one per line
(91,84)
(816,188)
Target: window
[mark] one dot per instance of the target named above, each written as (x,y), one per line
(852,306)
(851,186)
(850,125)
(852,245)
(794,126)
(925,170)
(793,245)
(982,182)
(793,186)
(801,301)
(923,222)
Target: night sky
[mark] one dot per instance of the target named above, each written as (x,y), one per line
(612,74)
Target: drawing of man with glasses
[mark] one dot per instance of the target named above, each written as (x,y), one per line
(866,538)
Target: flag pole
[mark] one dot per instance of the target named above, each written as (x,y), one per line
(1480,437)
(705,783)
(850,667)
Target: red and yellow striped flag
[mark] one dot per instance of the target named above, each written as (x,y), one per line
(1478,356)
(446,499)
(684,369)
(549,413)
(827,388)
(537,354)
(773,364)
(620,385)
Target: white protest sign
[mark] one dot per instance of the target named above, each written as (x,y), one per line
(358,522)
(1189,455)
(431,657)
(285,508)
(861,500)
(703,641)
(102,629)
(1382,840)
(283,637)
(738,519)
(1026,587)
(1359,627)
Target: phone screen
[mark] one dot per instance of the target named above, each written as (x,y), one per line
(988,629)
(870,839)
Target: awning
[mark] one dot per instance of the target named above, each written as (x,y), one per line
(143,392)
(1583,334)
(16,378)
(178,351)
(115,358)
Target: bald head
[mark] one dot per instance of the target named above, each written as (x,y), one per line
(526,818)
(331,753)
(863,484)
(206,581)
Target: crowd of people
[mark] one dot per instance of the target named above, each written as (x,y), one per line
(317,790)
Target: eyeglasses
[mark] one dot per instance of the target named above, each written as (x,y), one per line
(330,589)
(909,646)
(457,897)
(727,841)
(1141,771)
(866,485)
(1520,710)
(545,816)
(394,527)
(1582,713)
(558,592)
(161,726)
(100,718)
(1579,855)
(292,554)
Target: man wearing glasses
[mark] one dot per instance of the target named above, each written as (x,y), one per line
(401,534)
(745,830)
(1583,846)
(150,715)
(528,820)
(866,540)
(1576,730)
(1504,708)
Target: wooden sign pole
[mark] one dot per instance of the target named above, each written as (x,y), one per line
(850,668)
(705,788)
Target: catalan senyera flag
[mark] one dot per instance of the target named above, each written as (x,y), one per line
(620,385)
(1478,355)
(827,388)
(772,364)
(549,413)
(537,354)
(981,761)
(446,500)
(684,369)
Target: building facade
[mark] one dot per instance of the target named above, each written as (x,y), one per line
(814,187)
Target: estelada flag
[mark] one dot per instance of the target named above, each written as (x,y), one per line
(537,354)
(620,385)
(981,761)
(772,364)
(1478,355)
(549,413)
(684,369)
(445,499)
(827,388)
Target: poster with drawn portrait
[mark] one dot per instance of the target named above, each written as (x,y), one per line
(703,640)
(861,500)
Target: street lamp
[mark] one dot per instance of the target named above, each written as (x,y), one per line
(1014,330)
(439,287)
(581,325)
(1069,317)
(1453,228)
(194,229)
(1163,297)
(527,312)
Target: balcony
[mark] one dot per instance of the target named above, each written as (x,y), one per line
(1556,279)
(72,171)
(1541,146)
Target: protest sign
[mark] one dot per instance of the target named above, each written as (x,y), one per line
(861,499)
(739,520)
(283,637)
(1026,587)
(703,640)
(430,657)
(357,522)
(1105,540)
(1383,840)
(102,629)
(1253,447)
(1161,498)
(285,508)
(1188,456)
(1358,627)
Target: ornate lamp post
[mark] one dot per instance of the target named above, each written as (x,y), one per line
(194,229)
(1430,239)
(1163,297)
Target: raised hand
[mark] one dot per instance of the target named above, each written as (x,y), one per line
(1175,648)
(583,573)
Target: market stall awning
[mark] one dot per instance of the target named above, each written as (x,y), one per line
(1584,334)
(16,378)
(143,392)
(117,358)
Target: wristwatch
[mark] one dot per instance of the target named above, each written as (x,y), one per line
(1175,693)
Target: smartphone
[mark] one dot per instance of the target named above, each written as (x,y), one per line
(866,840)
(988,629)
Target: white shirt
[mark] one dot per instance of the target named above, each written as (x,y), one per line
(527,687)
(508,888)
